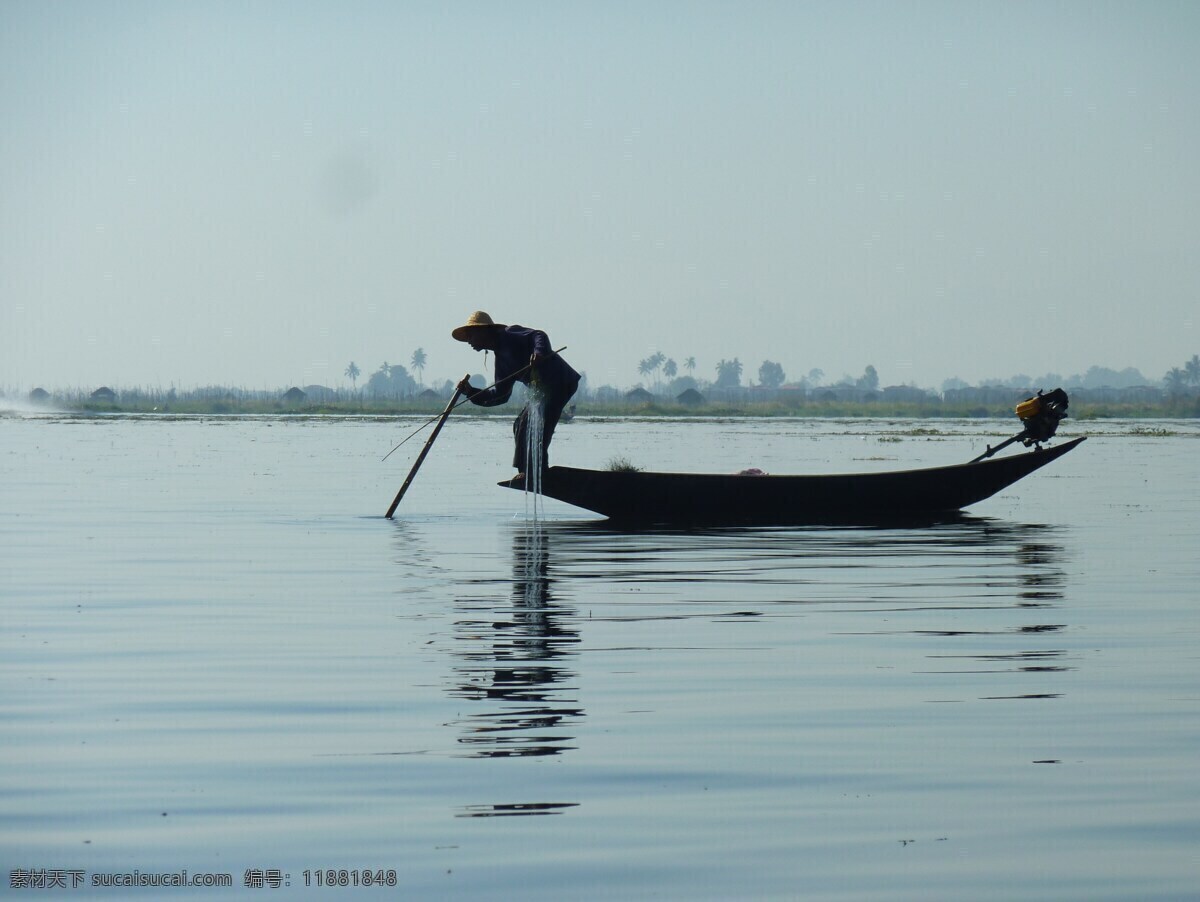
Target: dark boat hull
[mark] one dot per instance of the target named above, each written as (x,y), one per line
(645,498)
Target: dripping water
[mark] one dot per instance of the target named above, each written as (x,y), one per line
(535,411)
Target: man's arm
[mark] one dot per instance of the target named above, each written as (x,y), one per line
(499,392)
(485,397)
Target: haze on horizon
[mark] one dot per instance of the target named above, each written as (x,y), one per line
(258,194)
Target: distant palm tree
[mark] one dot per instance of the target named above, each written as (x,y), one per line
(1176,380)
(1191,370)
(352,373)
(645,367)
(657,359)
(729,373)
(690,365)
(418,364)
(670,369)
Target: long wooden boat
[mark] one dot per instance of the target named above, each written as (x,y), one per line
(648,498)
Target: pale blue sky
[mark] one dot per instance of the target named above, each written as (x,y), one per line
(258,193)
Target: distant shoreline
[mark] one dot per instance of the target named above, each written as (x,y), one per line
(1183,408)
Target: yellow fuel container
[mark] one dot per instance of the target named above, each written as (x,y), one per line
(1029,408)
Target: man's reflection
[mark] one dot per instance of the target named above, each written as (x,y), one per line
(513,657)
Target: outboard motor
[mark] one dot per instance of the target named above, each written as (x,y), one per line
(1040,416)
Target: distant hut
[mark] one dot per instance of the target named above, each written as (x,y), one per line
(429,395)
(320,393)
(690,398)
(1141,394)
(104,395)
(294,395)
(639,395)
(39,396)
(906,394)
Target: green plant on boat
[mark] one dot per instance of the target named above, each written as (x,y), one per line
(621,465)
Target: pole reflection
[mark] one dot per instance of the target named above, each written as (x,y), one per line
(514,659)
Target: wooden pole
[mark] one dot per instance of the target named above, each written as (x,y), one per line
(421,457)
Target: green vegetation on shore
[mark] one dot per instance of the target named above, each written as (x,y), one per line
(1188,407)
(1101,393)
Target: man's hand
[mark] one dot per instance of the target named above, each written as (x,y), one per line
(464,386)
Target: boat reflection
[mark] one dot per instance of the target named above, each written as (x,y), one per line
(972,557)
(513,657)
(986,592)
(980,596)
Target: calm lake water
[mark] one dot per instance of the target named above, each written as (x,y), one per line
(218,656)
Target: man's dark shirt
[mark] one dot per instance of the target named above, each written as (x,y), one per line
(516,345)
